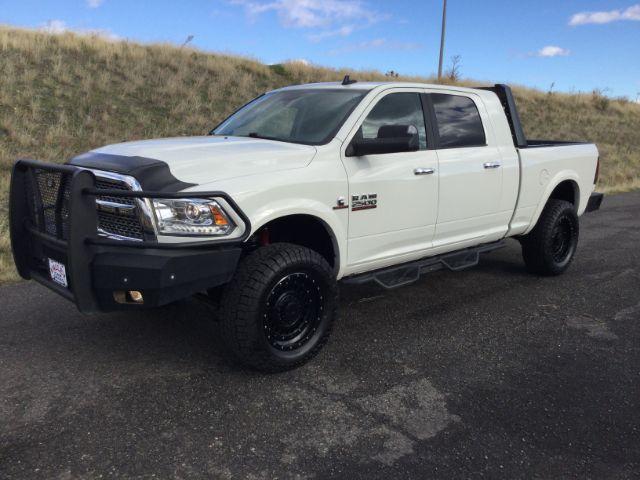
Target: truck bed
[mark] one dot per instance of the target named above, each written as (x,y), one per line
(519,139)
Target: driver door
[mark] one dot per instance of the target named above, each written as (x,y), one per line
(393,196)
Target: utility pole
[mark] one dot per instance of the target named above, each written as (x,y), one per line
(444,24)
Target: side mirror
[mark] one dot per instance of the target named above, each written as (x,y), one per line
(390,139)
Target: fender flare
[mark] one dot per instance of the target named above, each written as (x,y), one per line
(310,208)
(563,176)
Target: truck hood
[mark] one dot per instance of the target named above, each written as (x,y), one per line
(200,160)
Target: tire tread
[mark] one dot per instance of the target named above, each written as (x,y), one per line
(535,243)
(240,303)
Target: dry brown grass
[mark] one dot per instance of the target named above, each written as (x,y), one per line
(61,95)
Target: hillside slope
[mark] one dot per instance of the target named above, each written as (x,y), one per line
(64,94)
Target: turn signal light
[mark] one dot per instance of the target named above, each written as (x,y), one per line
(218,217)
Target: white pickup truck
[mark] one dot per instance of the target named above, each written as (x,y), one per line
(300,188)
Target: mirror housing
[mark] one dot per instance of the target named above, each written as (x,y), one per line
(391,139)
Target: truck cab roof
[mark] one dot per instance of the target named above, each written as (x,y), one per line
(369,86)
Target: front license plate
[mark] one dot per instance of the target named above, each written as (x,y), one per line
(58,273)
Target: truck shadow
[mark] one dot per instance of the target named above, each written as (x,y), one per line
(188,332)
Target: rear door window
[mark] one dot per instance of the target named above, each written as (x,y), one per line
(459,123)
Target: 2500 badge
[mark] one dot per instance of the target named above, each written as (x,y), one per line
(364,202)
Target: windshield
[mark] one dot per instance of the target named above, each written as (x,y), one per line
(311,116)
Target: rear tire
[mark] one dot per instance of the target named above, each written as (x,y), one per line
(278,310)
(550,247)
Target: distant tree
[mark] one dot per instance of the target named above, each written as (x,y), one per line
(189,38)
(453,73)
(550,91)
(392,74)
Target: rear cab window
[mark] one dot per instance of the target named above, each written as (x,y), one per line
(458,121)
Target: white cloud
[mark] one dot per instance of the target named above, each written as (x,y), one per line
(376,44)
(94,3)
(331,18)
(311,13)
(584,18)
(58,27)
(552,51)
(343,31)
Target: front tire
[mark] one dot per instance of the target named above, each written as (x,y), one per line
(278,310)
(550,247)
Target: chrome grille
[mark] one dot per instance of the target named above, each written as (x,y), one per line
(113,185)
(114,223)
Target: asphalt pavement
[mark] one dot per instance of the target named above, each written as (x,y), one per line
(489,372)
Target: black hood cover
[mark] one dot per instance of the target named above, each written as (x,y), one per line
(154,175)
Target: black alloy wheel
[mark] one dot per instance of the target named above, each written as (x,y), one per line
(550,247)
(293,311)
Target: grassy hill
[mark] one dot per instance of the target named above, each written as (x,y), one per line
(61,95)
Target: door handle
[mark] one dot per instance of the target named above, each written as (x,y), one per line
(489,165)
(423,171)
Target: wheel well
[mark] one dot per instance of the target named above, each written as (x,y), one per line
(566,190)
(304,230)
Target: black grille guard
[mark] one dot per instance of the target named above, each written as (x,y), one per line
(75,238)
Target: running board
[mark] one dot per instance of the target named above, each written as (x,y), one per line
(407,273)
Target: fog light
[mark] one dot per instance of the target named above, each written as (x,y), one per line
(129,296)
(136,296)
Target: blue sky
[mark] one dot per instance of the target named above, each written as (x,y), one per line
(576,44)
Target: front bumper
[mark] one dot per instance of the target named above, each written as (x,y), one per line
(100,272)
(595,200)
(161,276)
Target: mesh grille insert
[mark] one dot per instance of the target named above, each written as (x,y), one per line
(113,223)
(48,199)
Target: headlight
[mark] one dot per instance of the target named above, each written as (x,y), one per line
(191,216)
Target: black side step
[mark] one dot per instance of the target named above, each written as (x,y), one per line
(400,275)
